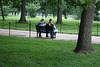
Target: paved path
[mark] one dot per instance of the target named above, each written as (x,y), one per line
(60,36)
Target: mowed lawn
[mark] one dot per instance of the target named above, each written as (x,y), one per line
(29,52)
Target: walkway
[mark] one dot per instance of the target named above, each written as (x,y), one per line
(60,36)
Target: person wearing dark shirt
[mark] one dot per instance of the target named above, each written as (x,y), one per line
(40,23)
(55,30)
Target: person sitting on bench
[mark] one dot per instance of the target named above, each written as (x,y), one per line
(40,23)
(54,29)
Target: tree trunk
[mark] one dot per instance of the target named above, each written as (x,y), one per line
(84,44)
(12,13)
(15,13)
(65,16)
(43,13)
(53,16)
(59,15)
(22,18)
(2,10)
(46,15)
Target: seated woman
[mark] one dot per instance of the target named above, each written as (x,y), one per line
(54,27)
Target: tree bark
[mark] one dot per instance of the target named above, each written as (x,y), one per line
(22,18)
(59,14)
(46,15)
(15,13)
(84,44)
(2,10)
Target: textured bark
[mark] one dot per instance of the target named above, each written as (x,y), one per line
(2,10)
(59,15)
(22,18)
(84,44)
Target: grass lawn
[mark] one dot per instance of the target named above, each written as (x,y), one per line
(29,52)
(69,26)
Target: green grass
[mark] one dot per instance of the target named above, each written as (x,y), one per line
(28,52)
(68,26)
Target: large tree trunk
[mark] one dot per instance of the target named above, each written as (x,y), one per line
(2,10)
(59,15)
(22,18)
(84,44)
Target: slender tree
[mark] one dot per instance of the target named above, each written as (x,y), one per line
(2,10)
(84,44)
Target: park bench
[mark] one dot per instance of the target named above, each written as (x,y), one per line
(44,29)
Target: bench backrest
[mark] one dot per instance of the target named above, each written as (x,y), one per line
(47,28)
(38,28)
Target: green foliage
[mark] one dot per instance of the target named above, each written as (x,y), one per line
(96,15)
(99,17)
(49,7)
(98,5)
(6,10)
(76,12)
(31,9)
(13,10)
(84,4)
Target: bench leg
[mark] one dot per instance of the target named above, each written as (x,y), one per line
(37,34)
(52,35)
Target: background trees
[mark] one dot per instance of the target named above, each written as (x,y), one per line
(32,9)
(97,15)
(2,12)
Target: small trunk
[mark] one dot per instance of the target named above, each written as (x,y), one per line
(2,10)
(53,16)
(46,15)
(15,13)
(18,13)
(65,17)
(84,44)
(43,14)
(12,13)
(59,15)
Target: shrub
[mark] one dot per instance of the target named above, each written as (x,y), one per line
(5,10)
(31,9)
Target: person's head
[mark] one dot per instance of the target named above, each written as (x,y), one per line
(50,20)
(42,20)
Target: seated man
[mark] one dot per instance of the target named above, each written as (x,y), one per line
(40,23)
(54,27)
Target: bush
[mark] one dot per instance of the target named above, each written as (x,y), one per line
(96,17)
(5,10)
(31,9)
(99,17)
